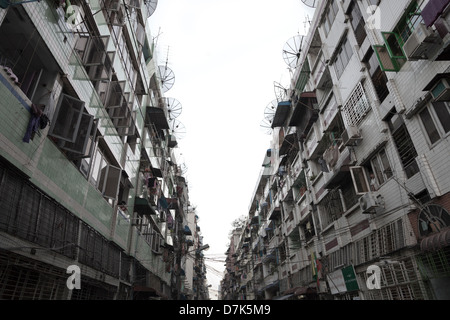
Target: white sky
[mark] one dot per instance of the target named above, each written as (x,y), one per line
(226,56)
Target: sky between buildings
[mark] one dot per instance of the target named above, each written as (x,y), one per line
(226,57)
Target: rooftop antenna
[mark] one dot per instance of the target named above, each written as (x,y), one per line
(155,39)
(307,23)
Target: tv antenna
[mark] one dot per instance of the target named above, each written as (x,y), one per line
(177,129)
(307,23)
(292,51)
(310,3)
(173,106)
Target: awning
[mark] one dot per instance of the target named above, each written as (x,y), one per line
(435,80)
(158,117)
(305,290)
(281,114)
(433,10)
(436,241)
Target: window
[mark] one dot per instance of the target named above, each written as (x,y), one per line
(429,125)
(330,15)
(105,177)
(356,106)
(436,120)
(403,142)
(73,129)
(380,170)
(360,180)
(378,76)
(391,55)
(156,241)
(343,56)
(66,120)
(357,23)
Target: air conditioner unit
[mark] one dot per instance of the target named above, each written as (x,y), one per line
(368,203)
(351,136)
(420,43)
(441,90)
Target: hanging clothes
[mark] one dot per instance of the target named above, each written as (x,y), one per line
(35,122)
(323,165)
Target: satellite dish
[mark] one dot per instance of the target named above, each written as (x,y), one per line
(266,126)
(173,106)
(280,91)
(151,6)
(292,51)
(167,77)
(271,109)
(177,129)
(183,168)
(310,3)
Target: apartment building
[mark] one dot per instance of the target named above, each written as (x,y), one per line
(89,175)
(353,197)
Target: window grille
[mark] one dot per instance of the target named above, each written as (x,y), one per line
(381,242)
(356,106)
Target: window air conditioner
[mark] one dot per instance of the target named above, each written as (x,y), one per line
(368,203)
(441,90)
(351,136)
(420,43)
